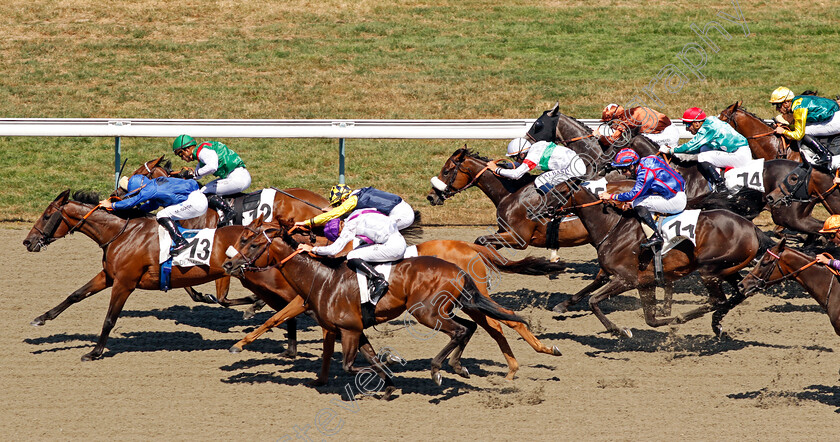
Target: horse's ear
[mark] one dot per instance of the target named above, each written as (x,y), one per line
(554,110)
(738,104)
(62,197)
(156,162)
(782,244)
(257,222)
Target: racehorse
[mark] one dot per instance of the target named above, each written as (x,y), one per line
(294,203)
(726,243)
(130,258)
(764,143)
(477,260)
(425,286)
(781,263)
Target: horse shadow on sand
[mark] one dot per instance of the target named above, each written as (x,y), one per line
(213,318)
(766,398)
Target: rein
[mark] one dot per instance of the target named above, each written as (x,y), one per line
(453,191)
(566,142)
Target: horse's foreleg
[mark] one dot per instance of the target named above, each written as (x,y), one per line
(291,339)
(716,300)
(119,294)
(197,296)
(668,299)
(326,357)
(504,239)
(251,311)
(614,287)
(376,365)
(647,295)
(600,279)
(222,290)
(95,285)
(294,308)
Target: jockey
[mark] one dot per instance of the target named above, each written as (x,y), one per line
(654,125)
(659,188)
(832,225)
(375,238)
(718,144)
(180,199)
(558,162)
(344,200)
(812,116)
(214,158)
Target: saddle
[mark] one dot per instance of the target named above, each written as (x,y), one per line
(250,205)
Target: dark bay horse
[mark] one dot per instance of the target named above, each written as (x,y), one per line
(478,261)
(517,204)
(726,243)
(427,287)
(781,263)
(764,143)
(130,258)
(294,203)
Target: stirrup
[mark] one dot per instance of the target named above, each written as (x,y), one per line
(178,248)
(654,240)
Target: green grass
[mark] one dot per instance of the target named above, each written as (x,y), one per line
(365,59)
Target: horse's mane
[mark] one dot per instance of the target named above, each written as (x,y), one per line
(577,122)
(473,154)
(744,110)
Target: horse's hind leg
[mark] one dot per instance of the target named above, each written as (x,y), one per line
(600,279)
(119,294)
(647,295)
(737,298)
(532,340)
(94,286)
(716,300)
(455,357)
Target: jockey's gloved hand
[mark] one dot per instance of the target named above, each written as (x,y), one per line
(665,149)
(186,173)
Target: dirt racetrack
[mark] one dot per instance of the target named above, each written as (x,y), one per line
(167,373)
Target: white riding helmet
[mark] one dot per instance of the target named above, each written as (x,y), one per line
(517,146)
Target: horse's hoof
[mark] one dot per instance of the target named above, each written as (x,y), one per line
(560,308)
(37,322)
(89,357)
(392,359)
(438,378)
(289,354)
(387,395)
(248,314)
(235,349)
(463,372)
(317,383)
(625,333)
(211,299)
(555,351)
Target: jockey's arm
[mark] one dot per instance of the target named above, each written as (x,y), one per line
(517,173)
(346,207)
(637,190)
(799,118)
(347,234)
(694,145)
(141,197)
(211,163)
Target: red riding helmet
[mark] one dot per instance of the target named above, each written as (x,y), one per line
(625,157)
(693,114)
(611,112)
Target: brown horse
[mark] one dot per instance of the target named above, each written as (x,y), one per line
(479,261)
(427,287)
(726,243)
(130,258)
(294,203)
(781,263)
(764,143)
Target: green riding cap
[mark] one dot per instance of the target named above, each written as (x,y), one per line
(183,142)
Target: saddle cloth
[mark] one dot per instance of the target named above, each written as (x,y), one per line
(750,176)
(250,206)
(677,228)
(385,269)
(199,252)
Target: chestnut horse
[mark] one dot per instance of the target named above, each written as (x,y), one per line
(764,143)
(781,263)
(130,259)
(726,243)
(479,261)
(292,203)
(425,286)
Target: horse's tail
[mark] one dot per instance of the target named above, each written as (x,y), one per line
(414,232)
(764,243)
(472,299)
(530,265)
(747,202)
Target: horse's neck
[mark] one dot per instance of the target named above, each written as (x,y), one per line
(100,226)
(488,182)
(303,273)
(596,222)
(815,279)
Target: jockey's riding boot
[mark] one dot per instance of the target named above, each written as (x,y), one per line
(217,202)
(376,282)
(710,172)
(180,242)
(644,215)
(368,314)
(823,155)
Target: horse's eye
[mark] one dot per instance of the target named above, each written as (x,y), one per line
(538,126)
